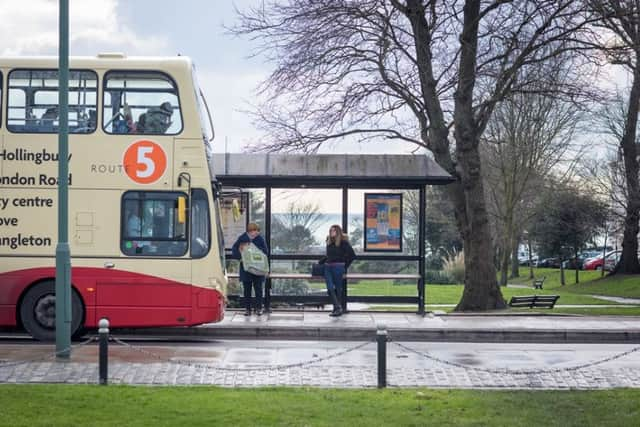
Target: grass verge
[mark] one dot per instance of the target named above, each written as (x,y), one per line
(71,405)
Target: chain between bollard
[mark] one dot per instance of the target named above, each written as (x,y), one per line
(517,371)
(48,356)
(222,368)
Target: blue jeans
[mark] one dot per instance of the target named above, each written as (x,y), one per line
(256,283)
(333,276)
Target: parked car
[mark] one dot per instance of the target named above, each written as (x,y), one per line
(597,263)
(578,263)
(549,263)
(534,262)
(523,258)
(611,262)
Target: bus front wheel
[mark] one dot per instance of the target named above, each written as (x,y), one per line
(38,311)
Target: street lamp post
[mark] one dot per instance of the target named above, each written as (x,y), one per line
(63,258)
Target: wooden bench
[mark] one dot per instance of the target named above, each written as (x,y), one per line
(537,283)
(537,301)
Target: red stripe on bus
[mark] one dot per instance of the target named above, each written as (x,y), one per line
(126,298)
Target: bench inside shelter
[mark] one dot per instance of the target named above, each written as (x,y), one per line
(321,299)
(534,301)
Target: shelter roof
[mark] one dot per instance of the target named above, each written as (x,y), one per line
(300,169)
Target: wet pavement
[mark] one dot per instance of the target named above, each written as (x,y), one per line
(252,363)
(309,348)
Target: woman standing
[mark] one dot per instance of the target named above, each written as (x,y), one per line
(250,280)
(340,255)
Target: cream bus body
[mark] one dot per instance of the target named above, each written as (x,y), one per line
(173,273)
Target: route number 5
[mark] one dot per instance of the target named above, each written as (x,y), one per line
(144,162)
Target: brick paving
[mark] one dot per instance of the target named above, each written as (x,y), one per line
(315,376)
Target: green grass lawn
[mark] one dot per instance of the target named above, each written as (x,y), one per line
(552,276)
(590,283)
(450,294)
(75,405)
(571,293)
(592,311)
(619,286)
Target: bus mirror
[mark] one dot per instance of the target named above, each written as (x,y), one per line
(182,209)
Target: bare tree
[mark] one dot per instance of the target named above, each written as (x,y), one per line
(529,135)
(427,72)
(622,19)
(571,217)
(294,230)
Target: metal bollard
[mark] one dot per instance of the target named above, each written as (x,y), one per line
(381,338)
(103,358)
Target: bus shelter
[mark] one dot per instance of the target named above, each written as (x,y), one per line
(378,200)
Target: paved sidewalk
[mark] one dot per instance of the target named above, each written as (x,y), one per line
(313,324)
(620,300)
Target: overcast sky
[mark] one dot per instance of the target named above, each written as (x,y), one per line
(166,27)
(193,28)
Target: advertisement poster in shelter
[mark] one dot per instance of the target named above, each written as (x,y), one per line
(233,216)
(383,222)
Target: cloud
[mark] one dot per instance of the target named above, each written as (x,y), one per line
(229,95)
(30,27)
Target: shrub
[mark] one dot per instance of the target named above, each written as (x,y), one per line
(453,266)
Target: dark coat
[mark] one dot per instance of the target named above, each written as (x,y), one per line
(343,253)
(245,276)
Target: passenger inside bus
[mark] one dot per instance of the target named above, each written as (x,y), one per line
(133,225)
(135,230)
(46,121)
(156,120)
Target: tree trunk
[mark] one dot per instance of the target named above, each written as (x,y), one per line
(562,281)
(629,260)
(530,258)
(504,264)
(515,262)
(576,266)
(506,250)
(481,291)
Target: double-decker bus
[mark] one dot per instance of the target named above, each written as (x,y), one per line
(146,245)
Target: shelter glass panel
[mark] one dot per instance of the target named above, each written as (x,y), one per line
(250,208)
(295,286)
(301,218)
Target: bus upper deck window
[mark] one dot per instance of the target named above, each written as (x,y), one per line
(33,101)
(141,102)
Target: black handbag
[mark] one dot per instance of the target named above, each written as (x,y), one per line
(317,269)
